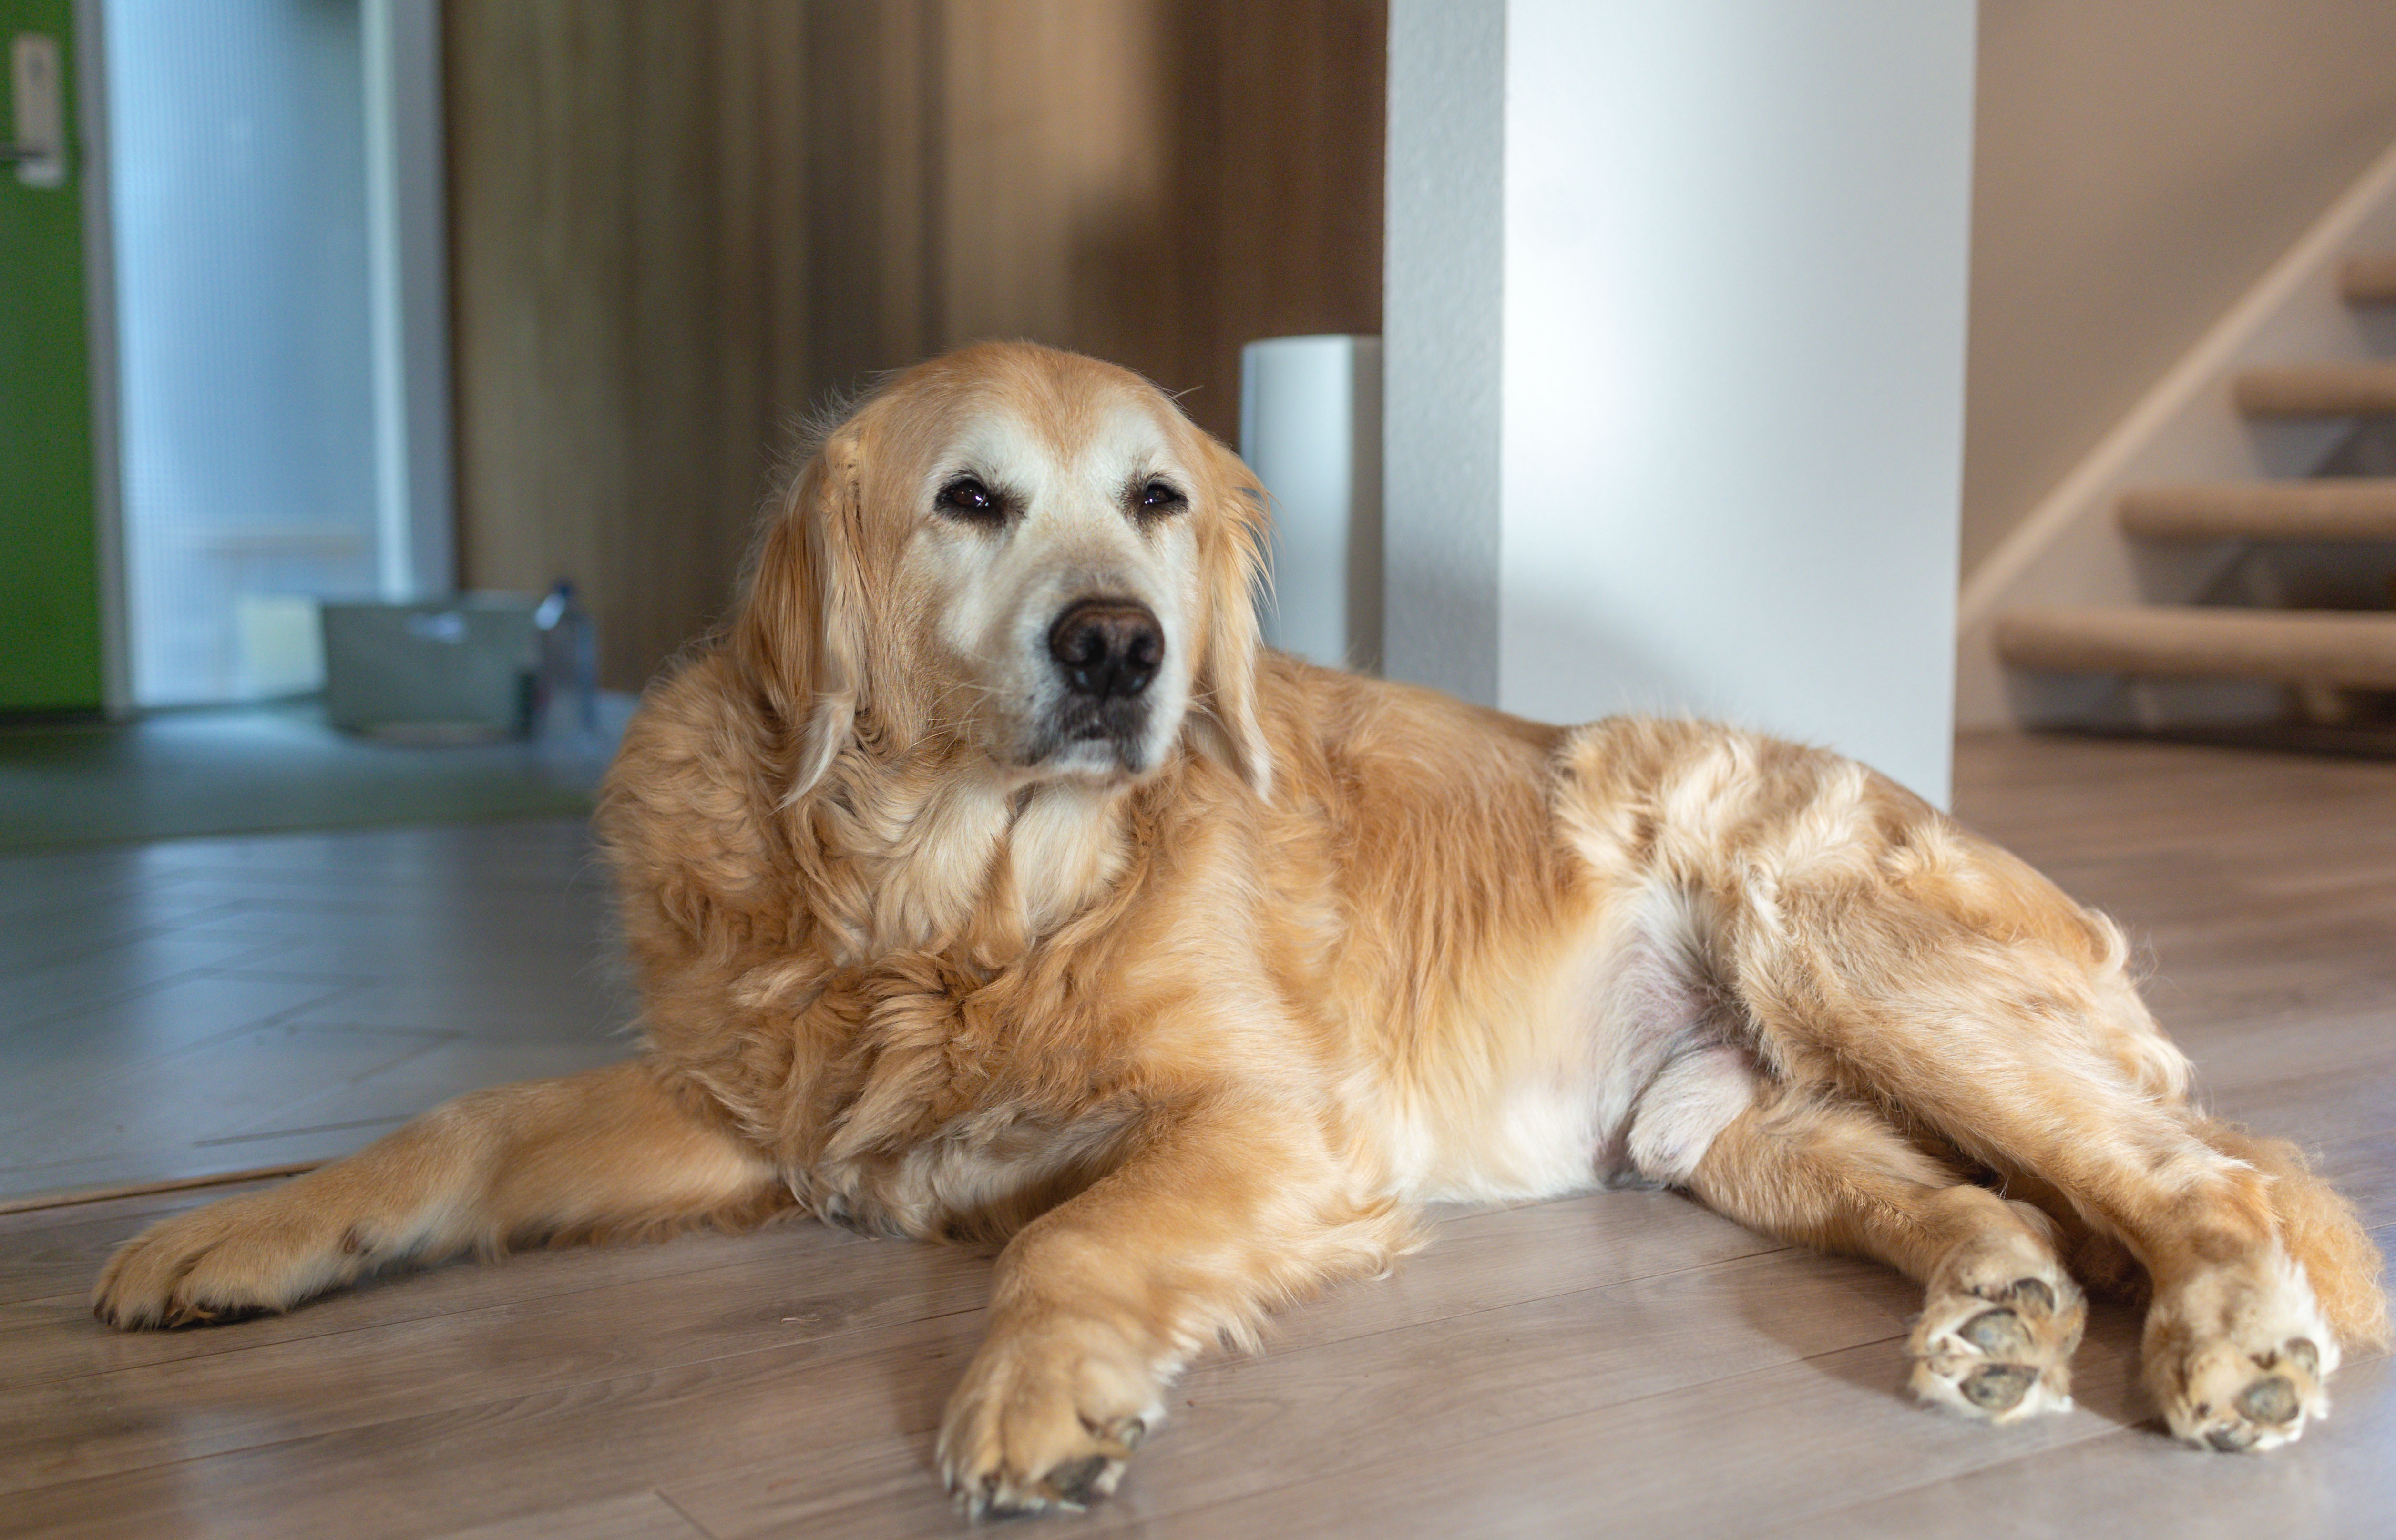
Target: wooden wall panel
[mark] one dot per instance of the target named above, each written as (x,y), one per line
(1159,181)
(677,226)
(631,298)
(868,164)
(1277,181)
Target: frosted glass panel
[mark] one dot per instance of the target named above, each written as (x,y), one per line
(238,153)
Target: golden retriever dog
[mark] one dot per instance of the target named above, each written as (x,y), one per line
(990,881)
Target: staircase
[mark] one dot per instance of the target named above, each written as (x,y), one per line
(2329,659)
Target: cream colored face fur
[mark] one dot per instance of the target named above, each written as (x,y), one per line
(1197,1017)
(1076,519)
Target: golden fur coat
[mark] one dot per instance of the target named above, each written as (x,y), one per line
(989,879)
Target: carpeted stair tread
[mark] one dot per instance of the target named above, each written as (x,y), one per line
(2331,508)
(2317,390)
(2355,649)
(2369,279)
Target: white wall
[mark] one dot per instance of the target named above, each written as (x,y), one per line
(1730,397)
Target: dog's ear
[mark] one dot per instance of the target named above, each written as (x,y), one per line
(1231,545)
(799,636)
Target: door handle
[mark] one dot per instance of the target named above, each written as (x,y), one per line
(39,151)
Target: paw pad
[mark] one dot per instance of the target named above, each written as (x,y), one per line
(2270,1400)
(2036,1293)
(1998,1387)
(1998,1333)
(1075,1483)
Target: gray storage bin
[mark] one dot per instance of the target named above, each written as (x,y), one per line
(461,668)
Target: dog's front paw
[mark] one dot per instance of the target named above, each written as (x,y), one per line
(256,1255)
(1045,1418)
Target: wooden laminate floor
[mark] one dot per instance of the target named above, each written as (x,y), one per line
(196,1007)
(1623,1362)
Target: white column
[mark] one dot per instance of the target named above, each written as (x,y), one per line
(1732,262)
(407,259)
(1310,429)
(1441,321)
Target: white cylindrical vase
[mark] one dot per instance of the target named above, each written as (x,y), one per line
(1310,429)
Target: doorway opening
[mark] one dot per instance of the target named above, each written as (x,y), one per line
(280,330)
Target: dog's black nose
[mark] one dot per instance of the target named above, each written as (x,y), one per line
(1107,648)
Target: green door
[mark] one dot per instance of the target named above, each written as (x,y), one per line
(49,570)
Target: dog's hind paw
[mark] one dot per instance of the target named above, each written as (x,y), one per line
(2239,1358)
(1999,1351)
(2238,1402)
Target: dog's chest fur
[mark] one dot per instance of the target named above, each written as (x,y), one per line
(935,1053)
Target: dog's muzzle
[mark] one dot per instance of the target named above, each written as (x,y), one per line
(1106,652)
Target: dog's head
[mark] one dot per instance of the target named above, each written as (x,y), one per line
(1025,552)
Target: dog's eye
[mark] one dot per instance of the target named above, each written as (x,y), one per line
(966,497)
(1160,497)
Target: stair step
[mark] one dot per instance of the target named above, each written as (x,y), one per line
(2354,648)
(2318,389)
(2369,280)
(2335,508)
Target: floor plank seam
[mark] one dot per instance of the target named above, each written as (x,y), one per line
(682,1513)
(273,1018)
